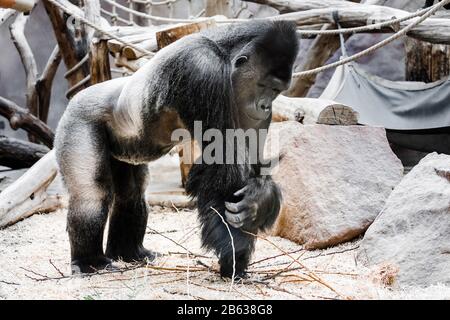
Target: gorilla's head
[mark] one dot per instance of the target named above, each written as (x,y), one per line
(262,69)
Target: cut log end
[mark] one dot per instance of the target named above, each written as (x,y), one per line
(338,114)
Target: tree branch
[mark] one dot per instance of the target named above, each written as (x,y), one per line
(20,118)
(313,12)
(17,30)
(45,81)
(66,40)
(17,154)
(5,14)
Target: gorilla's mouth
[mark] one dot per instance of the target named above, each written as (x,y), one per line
(259,111)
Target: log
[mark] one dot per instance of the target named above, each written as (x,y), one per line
(322,49)
(138,39)
(312,12)
(425,61)
(20,118)
(44,83)
(65,41)
(218,7)
(18,154)
(167,36)
(28,195)
(17,31)
(312,111)
(132,65)
(99,61)
(19,5)
(284,6)
(5,14)
(133,54)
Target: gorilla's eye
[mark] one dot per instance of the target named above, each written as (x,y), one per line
(240,61)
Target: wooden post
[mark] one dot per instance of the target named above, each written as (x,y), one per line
(66,44)
(99,61)
(217,7)
(425,61)
(172,34)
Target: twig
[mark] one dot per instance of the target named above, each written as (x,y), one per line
(310,273)
(232,247)
(273,257)
(97,273)
(180,269)
(276,288)
(178,211)
(19,117)
(183,253)
(330,253)
(56,268)
(171,240)
(10,283)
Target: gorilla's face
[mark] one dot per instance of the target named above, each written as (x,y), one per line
(258,78)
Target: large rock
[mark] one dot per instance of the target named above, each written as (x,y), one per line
(413,231)
(335,180)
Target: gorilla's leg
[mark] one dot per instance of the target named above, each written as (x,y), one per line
(128,220)
(83,158)
(215,236)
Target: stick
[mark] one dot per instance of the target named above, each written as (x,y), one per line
(232,247)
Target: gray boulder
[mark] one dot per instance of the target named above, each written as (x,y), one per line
(413,231)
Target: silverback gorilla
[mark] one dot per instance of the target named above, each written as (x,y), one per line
(225,77)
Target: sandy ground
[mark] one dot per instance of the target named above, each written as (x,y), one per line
(34,264)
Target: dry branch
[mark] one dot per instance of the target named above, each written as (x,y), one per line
(17,30)
(167,36)
(44,83)
(313,12)
(27,195)
(65,40)
(5,14)
(20,118)
(17,154)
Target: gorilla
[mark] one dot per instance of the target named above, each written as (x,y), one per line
(226,77)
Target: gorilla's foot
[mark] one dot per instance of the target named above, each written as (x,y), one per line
(226,271)
(226,267)
(139,254)
(92,264)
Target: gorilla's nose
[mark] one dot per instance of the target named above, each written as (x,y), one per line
(265,105)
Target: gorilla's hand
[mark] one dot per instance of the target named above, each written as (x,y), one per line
(259,207)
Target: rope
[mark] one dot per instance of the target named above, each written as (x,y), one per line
(370,27)
(162,19)
(426,13)
(154,4)
(375,47)
(145,15)
(97,28)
